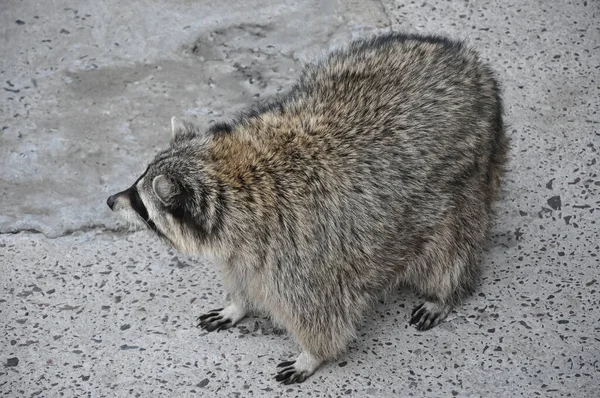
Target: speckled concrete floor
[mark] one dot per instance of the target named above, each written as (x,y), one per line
(90,309)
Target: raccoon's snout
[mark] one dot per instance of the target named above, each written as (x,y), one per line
(111,201)
(128,204)
(119,196)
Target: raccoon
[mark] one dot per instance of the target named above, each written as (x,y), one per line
(378,169)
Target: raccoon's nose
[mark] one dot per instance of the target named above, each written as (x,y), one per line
(111,201)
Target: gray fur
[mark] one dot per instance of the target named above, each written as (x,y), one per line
(378,169)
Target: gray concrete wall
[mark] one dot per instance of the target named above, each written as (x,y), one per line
(91,309)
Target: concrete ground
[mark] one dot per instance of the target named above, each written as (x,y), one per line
(91,309)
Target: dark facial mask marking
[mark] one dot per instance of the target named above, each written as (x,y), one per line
(140,208)
(137,204)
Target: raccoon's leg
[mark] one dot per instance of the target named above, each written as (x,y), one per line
(445,281)
(222,318)
(323,328)
(321,340)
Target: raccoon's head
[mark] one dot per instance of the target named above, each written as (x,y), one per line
(176,197)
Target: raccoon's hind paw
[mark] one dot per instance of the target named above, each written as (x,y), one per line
(428,315)
(297,371)
(221,318)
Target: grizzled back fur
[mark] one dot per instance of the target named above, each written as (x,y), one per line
(379,167)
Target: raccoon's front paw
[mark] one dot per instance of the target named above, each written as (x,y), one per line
(297,371)
(429,315)
(221,318)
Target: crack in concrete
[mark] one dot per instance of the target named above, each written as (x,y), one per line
(100,228)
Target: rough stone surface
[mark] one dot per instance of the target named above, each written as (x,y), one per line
(90,309)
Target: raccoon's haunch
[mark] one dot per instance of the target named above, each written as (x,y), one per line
(378,168)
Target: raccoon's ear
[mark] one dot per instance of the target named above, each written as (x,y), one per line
(165,189)
(182,129)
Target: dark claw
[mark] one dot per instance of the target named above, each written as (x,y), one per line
(288,374)
(424,323)
(214,326)
(302,378)
(204,325)
(224,325)
(430,321)
(435,319)
(208,327)
(416,309)
(284,375)
(286,369)
(286,364)
(417,314)
(209,315)
(211,319)
(423,319)
(291,377)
